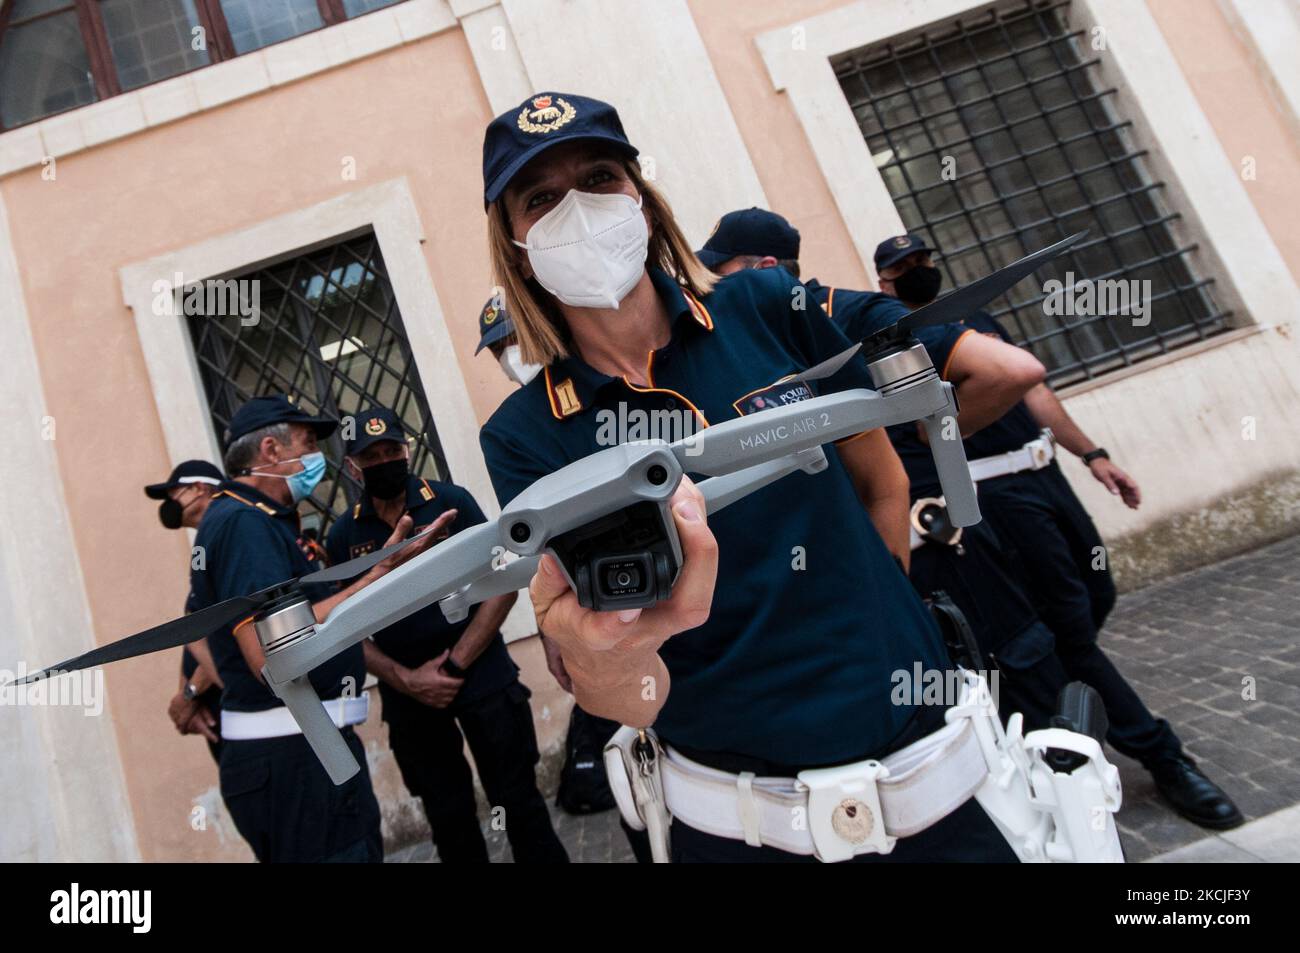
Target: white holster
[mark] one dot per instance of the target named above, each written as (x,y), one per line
(632,763)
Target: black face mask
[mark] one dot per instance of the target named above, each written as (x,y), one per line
(171,514)
(384,481)
(919,284)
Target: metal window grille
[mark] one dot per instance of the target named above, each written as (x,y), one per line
(329,335)
(994,141)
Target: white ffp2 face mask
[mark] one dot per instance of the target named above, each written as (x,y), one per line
(590,250)
(515,368)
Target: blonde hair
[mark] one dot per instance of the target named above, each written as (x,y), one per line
(539,324)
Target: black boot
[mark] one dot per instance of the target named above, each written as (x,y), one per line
(1193,795)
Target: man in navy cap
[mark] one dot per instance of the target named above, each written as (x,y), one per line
(196,706)
(277,793)
(440,679)
(1029,503)
(751,238)
(497,334)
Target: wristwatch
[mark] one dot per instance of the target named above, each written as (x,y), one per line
(190,692)
(1098,454)
(452,669)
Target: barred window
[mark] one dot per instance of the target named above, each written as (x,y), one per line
(328,334)
(995,139)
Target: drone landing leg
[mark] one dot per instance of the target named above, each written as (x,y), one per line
(317,726)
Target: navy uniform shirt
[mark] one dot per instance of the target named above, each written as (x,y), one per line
(1013,429)
(422,635)
(810,615)
(859,314)
(211,697)
(249,542)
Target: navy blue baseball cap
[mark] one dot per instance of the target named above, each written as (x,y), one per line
(893,250)
(190,471)
(493,323)
(540,122)
(372,426)
(750,231)
(274,409)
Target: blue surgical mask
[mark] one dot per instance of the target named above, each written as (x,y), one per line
(305,480)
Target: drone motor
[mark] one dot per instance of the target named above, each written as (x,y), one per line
(287,620)
(900,365)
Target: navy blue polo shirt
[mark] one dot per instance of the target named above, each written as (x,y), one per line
(810,614)
(859,314)
(422,635)
(249,542)
(211,698)
(1013,429)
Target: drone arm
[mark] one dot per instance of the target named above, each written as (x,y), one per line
(950,463)
(317,727)
(453,563)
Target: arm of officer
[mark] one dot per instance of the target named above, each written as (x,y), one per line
(1048,411)
(882,486)
(205,676)
(991,376)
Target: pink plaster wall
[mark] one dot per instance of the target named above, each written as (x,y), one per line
(417,111)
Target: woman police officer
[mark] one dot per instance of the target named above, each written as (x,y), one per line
(791,619)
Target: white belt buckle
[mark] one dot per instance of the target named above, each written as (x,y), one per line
(844,816)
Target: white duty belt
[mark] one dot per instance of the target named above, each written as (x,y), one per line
(277,722)
(833,813)
(1032,456)
(1035,455)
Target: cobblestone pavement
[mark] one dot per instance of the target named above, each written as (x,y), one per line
(1216,651)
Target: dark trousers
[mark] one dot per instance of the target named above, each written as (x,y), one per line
(214,748)
(967,835)
(429,748)
(287,808)
(1061,561)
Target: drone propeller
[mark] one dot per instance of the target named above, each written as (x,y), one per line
(198,625)
(963,301)
(169,635)
(827,367)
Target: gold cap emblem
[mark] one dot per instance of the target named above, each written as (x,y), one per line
(375,426)
(545,114)
(902,241)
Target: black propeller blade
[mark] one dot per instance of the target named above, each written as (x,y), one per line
(169,635)
(969,298)
(198,625)
(827,367)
